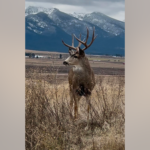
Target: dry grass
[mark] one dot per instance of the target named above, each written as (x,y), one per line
(49,120)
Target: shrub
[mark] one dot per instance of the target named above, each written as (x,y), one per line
(49,120)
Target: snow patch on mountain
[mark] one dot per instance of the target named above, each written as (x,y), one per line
(76,22)
(78,15)
(34,10)
(106,23)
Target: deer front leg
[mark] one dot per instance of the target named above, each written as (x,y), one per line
(74,100)
(88,98)
(76,103)
(76,108)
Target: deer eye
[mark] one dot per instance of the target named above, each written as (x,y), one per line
(75,57)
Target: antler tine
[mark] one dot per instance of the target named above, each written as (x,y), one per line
(87,35)
(79,42)
(72,40)
(85,43)
(93,38)
(72,47)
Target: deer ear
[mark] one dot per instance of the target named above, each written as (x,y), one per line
(69,50)
(81,52)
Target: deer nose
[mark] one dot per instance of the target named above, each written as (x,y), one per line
(65,63)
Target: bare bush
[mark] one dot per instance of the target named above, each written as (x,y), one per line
(50,124)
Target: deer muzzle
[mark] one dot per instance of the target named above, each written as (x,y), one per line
(65,63)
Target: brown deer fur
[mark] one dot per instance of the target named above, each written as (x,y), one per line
(81,77)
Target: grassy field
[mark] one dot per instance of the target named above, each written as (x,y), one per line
(59,62)
(102,65)
(90,57)
(49,120)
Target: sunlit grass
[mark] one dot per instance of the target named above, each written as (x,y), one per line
(49,120)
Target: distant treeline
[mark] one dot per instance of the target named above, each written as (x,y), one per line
(31,55)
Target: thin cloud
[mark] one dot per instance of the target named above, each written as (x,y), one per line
(76,2)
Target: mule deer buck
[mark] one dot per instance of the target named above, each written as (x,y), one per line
(81,77)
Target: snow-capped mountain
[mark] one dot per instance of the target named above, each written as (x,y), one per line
(43,34)
(34,10)
(46,27)
(80,16)
(40,24)
(69,24)
(106,23)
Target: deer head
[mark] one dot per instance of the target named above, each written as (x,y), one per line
(76,53)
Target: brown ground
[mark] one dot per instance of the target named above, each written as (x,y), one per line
(101,65)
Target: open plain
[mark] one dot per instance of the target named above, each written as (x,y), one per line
(51,61)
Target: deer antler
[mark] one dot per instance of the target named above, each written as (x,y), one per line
(85,43)
(72,47)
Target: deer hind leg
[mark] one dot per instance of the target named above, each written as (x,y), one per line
(88,98)
(71,100)
(75,106)
(76,109)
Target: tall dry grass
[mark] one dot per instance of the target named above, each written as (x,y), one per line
(49,120)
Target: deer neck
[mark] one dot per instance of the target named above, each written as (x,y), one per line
(78,68)
(83,66)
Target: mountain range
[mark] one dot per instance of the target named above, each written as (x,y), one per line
(45,28)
